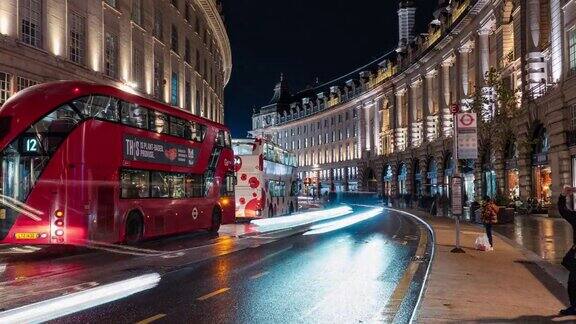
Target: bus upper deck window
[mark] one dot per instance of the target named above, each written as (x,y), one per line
(158,122)
(101,107)
(134,115)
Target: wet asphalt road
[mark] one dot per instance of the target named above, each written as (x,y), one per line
(352,275)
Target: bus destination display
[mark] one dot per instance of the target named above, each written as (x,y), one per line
(149,150)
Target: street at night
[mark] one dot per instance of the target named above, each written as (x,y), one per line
(368,271)
(256,161)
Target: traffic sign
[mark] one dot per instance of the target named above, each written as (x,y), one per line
(455,108)
(466,120)
(467,143)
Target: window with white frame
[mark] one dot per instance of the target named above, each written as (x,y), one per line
(572,49)
(111,55)
(23,83)
(31,22)
(77,34)
(5,87)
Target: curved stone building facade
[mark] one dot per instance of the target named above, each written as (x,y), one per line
(399,106)
(174,51)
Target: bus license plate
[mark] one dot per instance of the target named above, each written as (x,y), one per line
(2,214)
(26,236)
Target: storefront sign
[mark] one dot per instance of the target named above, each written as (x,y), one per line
(457,196)
(149,150)
(467,136)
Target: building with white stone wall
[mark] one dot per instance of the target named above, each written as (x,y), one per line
(173,51)
(403,145)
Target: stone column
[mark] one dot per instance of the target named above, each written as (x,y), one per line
(464,51)
(377,130)
(431,113)
(446,98)
(484,54)
(416,118)
(484,68)
(367,127)
(401,124)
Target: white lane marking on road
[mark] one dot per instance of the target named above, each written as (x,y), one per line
(258,275)
(65,305)
(212,294)
(151,319)
(432,254)
(2,268)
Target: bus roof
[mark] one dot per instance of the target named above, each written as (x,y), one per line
(24,108)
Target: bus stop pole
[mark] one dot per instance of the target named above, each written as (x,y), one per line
(457,248)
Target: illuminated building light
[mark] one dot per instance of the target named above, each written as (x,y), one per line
(65,305)
(342,223)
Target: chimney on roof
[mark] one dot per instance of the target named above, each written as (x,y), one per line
(406,22)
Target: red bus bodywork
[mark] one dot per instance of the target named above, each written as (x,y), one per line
(80,183)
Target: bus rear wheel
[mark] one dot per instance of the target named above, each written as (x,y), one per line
(134,228)
(216,220)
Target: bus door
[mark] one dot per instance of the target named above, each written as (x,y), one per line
(103,197)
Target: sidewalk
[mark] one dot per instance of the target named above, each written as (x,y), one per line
(509,284)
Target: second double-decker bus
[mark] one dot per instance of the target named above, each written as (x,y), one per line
(267,182)
(83,163)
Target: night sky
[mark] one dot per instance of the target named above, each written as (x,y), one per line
(306,40)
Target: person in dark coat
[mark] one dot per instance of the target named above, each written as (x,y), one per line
(570,216)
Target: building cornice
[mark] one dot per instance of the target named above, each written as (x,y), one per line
(217,25)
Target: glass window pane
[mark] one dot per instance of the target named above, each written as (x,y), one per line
(194,186)
(160,185)
(134,115)
(158,122)
(98,107)
(177,189)
(135,184)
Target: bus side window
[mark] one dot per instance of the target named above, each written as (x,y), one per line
(158,122)
(135,184)
(134,115)
(220,139)
(194,186)
(178,128)
(160,185)
(100,107)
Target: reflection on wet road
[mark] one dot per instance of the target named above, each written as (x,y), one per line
(351,273)
(549,238)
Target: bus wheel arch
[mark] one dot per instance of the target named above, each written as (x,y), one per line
(216,219)
(134,227)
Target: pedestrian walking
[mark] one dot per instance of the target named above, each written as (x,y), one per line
(489,217)
(569,260)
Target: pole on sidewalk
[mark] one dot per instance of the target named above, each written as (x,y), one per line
(457,248)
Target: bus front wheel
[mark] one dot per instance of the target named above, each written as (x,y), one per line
(216,220)
(134,228)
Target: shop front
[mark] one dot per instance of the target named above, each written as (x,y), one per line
(402,177)
(488,175)
(468,179)
(432,178)
(387,177)
(541,170)
(416,180)
(511,172)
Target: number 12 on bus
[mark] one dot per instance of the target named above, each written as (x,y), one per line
(88,162)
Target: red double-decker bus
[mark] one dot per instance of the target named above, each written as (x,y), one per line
(83,163)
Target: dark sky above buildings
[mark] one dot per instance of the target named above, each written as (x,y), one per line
(306,40)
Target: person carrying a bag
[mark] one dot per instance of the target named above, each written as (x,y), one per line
(489,218)
(569,261)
